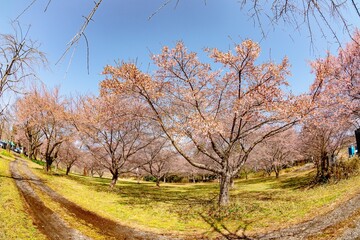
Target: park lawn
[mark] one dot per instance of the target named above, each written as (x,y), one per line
(258,204)
(15,223)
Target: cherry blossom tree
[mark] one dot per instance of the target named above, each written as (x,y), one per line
(69,154)
(278,152)
(338,78)
(336,90)
(222,114)
(53,121)
(322,144)
(112,132)
(156,159)
(46,112)
(29,129)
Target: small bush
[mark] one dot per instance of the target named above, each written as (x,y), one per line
(39,162)
(185,180)
(150,178)
(174,178)
(209,178)
(346,168)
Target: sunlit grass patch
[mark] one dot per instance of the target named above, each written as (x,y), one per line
(15,223)
(6,153)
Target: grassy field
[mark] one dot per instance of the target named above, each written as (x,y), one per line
(258,204)
(14,221)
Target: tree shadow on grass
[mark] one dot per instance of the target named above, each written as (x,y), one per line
(286,181)
(295,182)
(217,219)
(143,194)
(198,201)
(21,178)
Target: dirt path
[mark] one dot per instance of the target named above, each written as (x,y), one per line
(52,225)
(45,219)
(320,223)
(352,232)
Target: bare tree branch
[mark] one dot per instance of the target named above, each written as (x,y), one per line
(81,32)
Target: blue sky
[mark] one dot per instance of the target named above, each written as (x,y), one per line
(121,31)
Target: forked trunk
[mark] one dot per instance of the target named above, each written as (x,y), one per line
(225,184)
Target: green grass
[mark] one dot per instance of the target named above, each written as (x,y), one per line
(14,221)
(6,153)
(258,204)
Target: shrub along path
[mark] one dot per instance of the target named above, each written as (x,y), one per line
(52,225)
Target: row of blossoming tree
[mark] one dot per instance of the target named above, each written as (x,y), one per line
(217,116)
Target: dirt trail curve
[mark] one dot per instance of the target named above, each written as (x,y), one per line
(52,225)
(46,220)
(320,223)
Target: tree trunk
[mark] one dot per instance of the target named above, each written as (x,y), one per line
(114,178)
(48,166)
(68,170)
(158,182)
(35,154)
(48,161)
(8,147)
(277,171)
(323,170)
(30,151)
(224,197)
